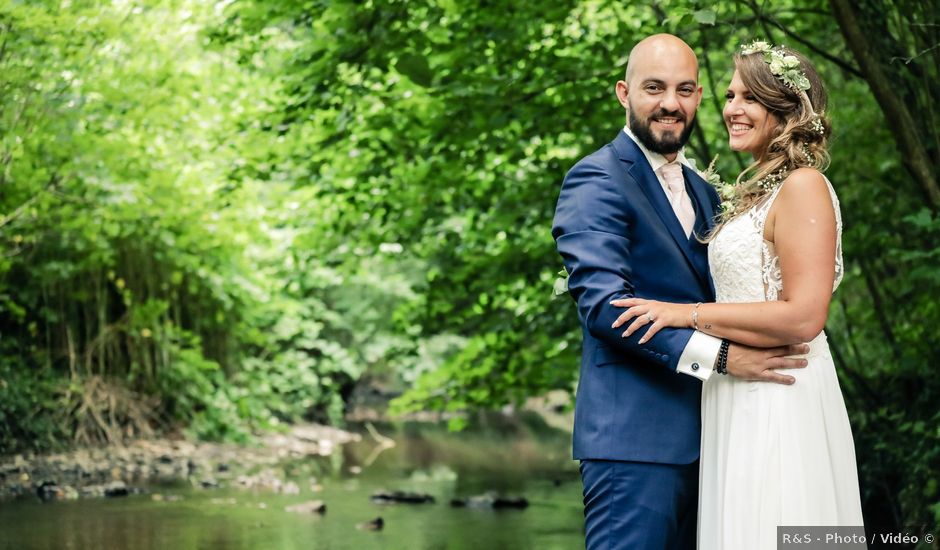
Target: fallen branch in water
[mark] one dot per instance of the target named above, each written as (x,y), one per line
(384,443)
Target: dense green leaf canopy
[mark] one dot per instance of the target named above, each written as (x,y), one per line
(224,216)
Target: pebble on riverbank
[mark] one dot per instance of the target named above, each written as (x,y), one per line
(372,525)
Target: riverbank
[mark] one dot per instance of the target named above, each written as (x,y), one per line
(120,470)
(333,502)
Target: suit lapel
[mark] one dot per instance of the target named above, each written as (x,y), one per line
(706,220)
(642,173)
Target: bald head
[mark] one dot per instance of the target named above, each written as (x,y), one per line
(658,50)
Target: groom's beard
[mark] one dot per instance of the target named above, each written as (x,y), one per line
(667,144)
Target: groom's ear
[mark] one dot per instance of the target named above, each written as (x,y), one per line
(623,90)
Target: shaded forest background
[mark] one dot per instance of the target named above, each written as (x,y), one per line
(221,217)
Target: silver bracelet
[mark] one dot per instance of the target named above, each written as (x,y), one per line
(695,316)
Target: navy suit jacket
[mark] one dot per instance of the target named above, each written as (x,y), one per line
(619,237)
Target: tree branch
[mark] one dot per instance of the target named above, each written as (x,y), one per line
(841,63)
(879,307)
(899,118)
(18,212)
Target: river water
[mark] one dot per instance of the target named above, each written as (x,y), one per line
(514,456)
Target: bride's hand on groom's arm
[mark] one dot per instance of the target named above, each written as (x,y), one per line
(658,315)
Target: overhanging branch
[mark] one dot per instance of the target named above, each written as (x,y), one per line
(896,113)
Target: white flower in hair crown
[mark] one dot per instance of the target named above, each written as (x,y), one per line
(784,66)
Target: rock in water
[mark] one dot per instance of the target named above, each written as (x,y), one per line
(374,525)
(511,502)
(384,497)
(48,490)
(209,483)
(309,507)
(490,500)
(116,489)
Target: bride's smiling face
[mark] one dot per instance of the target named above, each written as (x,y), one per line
(750,125)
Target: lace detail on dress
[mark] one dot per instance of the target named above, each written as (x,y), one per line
(745,267)
(770,262)
(770,267)
(840,269)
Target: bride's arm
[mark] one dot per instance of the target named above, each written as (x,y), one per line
(802,226)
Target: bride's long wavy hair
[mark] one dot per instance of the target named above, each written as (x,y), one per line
(797,140)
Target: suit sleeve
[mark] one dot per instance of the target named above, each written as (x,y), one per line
(593,229)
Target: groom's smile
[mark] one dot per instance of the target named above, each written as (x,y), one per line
(664,132)
(669,122)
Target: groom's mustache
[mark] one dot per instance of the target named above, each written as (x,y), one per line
(668,114)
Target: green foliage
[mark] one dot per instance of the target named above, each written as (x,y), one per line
(30,400)
(241,210)
(146,236)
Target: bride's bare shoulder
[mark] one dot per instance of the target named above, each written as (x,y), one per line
(804,180)
(805,187)
(803,199)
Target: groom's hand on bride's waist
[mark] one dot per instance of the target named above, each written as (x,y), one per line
(749,363)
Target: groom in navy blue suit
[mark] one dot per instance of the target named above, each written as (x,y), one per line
(626,225)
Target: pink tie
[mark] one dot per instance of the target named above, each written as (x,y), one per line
(678,198)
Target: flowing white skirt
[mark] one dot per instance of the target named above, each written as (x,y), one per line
(775,455)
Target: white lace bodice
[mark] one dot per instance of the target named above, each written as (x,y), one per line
(745,267)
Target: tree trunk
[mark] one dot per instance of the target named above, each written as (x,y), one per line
(899,118)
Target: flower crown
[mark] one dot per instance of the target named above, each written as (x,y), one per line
(784,66)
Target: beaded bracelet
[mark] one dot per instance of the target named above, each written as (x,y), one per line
(721,367)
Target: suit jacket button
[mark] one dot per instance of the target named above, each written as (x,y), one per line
(694,367)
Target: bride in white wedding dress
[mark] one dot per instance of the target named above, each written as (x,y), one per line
(772,455)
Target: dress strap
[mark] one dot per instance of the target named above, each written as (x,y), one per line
(840,269)
(759,213)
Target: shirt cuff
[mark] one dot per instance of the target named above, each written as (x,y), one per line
(699,356)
